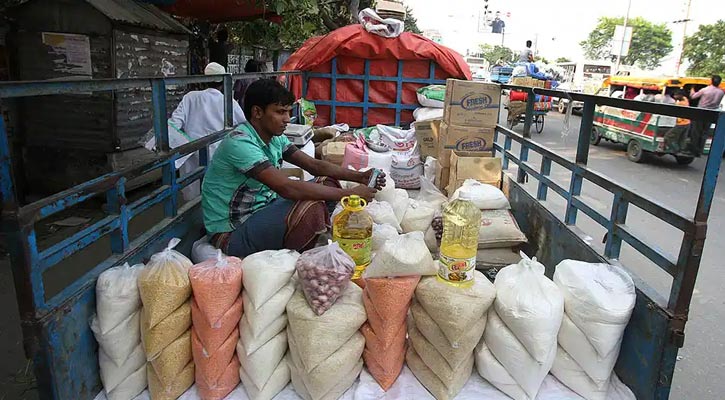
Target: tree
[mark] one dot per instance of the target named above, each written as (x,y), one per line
(562,60)
(705,50)
(411,24)
(650,42)
(494,53)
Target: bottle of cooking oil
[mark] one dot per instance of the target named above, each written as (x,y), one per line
(459,245)
(352,229)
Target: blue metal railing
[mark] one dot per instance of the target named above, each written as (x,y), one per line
(18,221)
(683,269)
(365,104)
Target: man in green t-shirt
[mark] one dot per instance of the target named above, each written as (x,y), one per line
(249,204)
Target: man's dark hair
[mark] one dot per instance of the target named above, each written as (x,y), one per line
(222,35)
(265,92)
(716,79)
(253,66)
(528,43)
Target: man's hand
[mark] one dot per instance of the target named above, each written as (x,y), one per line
(379,183)
(363,191)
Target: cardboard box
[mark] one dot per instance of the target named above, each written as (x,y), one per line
(540,84)
(441,180)
(474,104)
(519,80)
(466,139)
(428,140)
(334,152)
(467,166)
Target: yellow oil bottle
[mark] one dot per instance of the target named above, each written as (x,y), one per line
(352,229)
(459,244)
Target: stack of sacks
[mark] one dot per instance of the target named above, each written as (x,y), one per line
(519,345)
(390,280)
(499,235)
(598,301)
(215,312)
(116,328)
(407,166)
(432,99)
(165,321)
(325,350)
(445,325)
(268,286)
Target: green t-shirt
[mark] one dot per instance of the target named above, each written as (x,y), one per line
(230,192)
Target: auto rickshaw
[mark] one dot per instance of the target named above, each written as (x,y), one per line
(644,133)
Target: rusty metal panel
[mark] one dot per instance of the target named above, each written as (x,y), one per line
(138,14)
(141,54)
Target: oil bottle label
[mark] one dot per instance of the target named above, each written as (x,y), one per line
(359,249)
(456,269)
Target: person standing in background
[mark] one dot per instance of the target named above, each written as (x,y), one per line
(527,55)
(219,48)
(241,85)
(708,97)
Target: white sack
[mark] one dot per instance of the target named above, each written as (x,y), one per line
(400,203)
(403,256)
(599,369)
(526,371)
(407,168)
(121,340)
(455,309)
(320,336)
(499,229)
(266,272)
(495,373)
(131,386)
(530,305)
(113,374)
(427,113)
(484,196)
(382,234)
(418,217)
(117,296)
(202,250)
(599,299)
(387,193)
(573,376)
(261,318)
(276,383)
(398,140)
(261,364)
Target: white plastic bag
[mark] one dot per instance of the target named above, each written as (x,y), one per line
(382,213)
(263,317)
(382,234)
(599,299)
(261,364)
(485,196)
(387,193)
(117,295)
(573,376)
(319,337)
(430,170)
(266,273)
(324,273)
(385,27)
(530,305)
(400,203)
(418,217)
(430,194)
(403,256)
(202,250)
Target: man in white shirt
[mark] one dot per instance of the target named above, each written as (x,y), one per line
(200,113)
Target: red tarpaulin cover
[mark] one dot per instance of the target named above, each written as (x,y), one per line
(221,10)
(352,45)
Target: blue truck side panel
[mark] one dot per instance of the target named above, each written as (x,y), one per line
(59,340)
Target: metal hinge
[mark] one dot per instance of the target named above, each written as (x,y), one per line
(677,330)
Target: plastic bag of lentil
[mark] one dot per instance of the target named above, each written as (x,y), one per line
(171,373)
(324,273)
(216,285)
(386,303)
(164,283)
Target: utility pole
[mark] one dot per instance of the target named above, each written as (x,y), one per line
(684,36)
(624,36)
